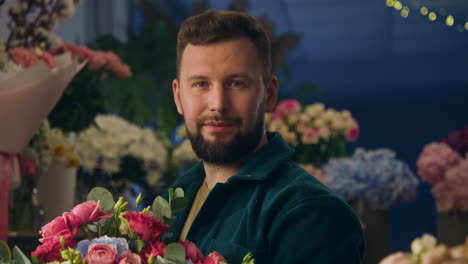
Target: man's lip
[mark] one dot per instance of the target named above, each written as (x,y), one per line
(217,124)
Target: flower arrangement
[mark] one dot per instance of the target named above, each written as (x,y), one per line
(426,250)
(316,133)
(104,145)
(375,177)
(442,165)
(102,231)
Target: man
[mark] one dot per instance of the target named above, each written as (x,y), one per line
(247,195)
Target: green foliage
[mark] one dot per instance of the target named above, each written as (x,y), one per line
(319,154)
(175,252)
(19,257)
(5,253)
(103,196)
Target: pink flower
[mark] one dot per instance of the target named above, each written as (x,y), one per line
(48,59)
(310,136)
(112,60)
(156,249)
(23,57)
(122,70)
(49,251)
(129,258)
(97,60)
(57,228)
(434,160)
(87,212)
(288,106)
(353,133)
(192,252)
(146,226)
(451,193)
(214,258)
(101,254)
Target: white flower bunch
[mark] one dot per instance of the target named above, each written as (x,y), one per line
(105,144)
(184,153)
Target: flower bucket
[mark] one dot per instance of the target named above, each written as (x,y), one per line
(452,228)
(56,190)
(375,225)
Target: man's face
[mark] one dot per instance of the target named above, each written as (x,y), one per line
(222,96)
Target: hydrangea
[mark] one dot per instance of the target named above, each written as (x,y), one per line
(375,177)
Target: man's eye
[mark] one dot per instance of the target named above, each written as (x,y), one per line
(237,83)
(201,84)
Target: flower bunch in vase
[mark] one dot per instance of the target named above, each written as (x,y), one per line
(427,250)
(445,166)
(375,177)
(101,230)
(317,133)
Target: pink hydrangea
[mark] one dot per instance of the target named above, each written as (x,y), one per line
(434,160)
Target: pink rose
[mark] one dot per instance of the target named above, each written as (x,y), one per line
(87,212)
(146,226)
(48,59)
(101,254)
(192,252)
(129,258)
(310,136)
(353,133)
(122,70)
(156,249)
(288,106)
(49,251)
(23,57)
(57,228)
(214,258)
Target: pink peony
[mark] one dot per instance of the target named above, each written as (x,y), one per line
(48,59)
(353,133)
(288,106)
(156,249)
(434,160)
(58,227)
(146,226)
(87,212)
(122,71)
(23,57)
(49,251)
(101,254)
(97,60)
(129,258)
(192,252)
(214,258)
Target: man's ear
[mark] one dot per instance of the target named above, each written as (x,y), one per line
(176,93)
(271,94)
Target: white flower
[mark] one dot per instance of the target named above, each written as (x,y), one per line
(184,153)
(66,9)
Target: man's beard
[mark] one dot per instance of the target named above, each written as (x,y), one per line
(221,151)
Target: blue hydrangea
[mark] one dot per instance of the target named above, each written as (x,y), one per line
(375,177)
(119,243)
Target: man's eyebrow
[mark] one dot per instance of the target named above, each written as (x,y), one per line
(239,75)
(196,77)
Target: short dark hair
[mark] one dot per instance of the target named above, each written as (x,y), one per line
(214,26)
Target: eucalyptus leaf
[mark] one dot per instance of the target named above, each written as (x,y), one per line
(19,256)
(161,207)
(179,192)
(93,228)
(104,196)
(178,204)
(175,252)
(140,245)
(171,194)
(5,252)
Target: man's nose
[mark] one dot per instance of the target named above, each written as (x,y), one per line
(219,99)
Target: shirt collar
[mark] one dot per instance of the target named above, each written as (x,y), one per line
(258,167)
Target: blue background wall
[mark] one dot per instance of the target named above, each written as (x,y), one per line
(405,80)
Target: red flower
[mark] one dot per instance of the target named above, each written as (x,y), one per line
(57,228)
(352,134)
(156,249)
(146,226)
(23,57)
(192,252)
(87,212)
(214,258)
(50,250)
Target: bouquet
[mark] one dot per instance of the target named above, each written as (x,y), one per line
(426,250)
(316,133)
(103,231)
(442,165)
(375,177)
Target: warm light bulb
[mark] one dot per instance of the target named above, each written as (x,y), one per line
(449,21)
(466,26)
(405,12)
(397,5)
(424,11)
(432,16)
(390,3)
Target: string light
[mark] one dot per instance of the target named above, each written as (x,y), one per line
(432,15)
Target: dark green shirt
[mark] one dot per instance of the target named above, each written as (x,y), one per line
(274,209)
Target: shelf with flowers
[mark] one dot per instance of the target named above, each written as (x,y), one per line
(445,165)
(427,250)
(316,133)
(102,230)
